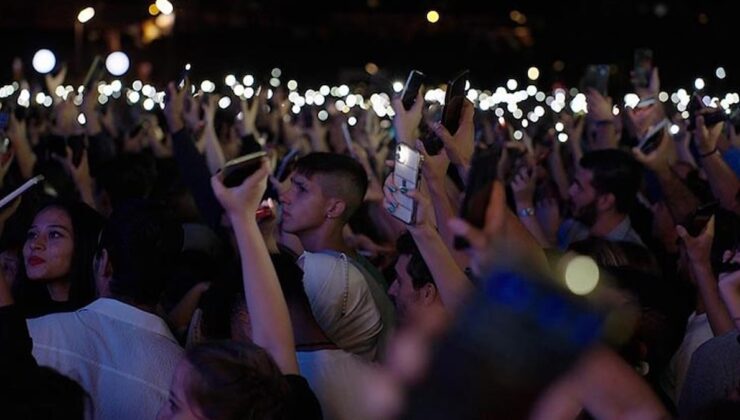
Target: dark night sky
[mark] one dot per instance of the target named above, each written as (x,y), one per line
(332,40)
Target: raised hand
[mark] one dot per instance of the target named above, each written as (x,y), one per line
(406,122)
(461,145)
(705,137)
(175,106)
(242,202)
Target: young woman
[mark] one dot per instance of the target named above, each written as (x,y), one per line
(56,274)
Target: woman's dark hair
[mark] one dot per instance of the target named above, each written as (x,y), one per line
(233,380)
(86,225)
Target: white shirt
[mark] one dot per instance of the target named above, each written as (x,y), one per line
(342,303)
(123,357)
(334,375)
(698,332)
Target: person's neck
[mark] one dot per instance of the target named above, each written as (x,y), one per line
(325,237)
(606,223)
(59,290)
(144,307)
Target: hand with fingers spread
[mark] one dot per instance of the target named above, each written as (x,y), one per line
(460,145)
(406,123)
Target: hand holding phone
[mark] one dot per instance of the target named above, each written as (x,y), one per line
(454,100)
(237,170)
(406,177)
(411,89)
(652,139)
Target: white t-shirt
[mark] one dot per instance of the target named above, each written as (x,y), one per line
(335,375)
(341,302)
(698,332)
(123,357)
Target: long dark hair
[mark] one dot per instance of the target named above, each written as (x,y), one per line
(86,224)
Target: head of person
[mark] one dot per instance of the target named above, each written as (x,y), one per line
(326,190)
(59,248)
(413,291)
(226,380)
(606,181)
(138,247)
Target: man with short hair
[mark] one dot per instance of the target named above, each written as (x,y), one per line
(116,348)
(603,192)
(349,304)
(414,291)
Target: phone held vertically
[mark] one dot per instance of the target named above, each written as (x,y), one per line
(478,189)
(411,88)
(454,101)
(237,170)
(643,68)
(406,175)
(597,78)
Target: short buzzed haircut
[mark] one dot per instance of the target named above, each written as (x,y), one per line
(343,178)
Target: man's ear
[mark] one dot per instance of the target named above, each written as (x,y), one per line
(103,271)
(605,202)
(429,293)
(336,208)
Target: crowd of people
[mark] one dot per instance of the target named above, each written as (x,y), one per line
(602,279)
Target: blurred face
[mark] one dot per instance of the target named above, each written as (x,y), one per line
(407,299)
(583,197)
(47,253)
(304,205)
(177,406)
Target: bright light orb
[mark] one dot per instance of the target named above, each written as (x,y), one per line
(117,63)
(44,61)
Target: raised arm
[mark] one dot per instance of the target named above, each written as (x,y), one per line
(271,328)
(214,154)
(722,180)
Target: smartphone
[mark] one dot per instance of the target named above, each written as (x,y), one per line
(94,73)
(411,88)
(20,190)
(478,191)
(643,68)
(237,170)
(653,137)
(711,117)
(597,78)
(454,101)
(406,174)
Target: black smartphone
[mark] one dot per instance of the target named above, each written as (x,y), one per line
(643,68)
(653,137)
(94,73)
(454,101)
(597,78)
(478,191)
(711,116)
(237,170)
(411,88)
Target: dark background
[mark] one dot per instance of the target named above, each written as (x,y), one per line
(331,41)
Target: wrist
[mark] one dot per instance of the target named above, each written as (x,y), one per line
(706,154)
(423,231)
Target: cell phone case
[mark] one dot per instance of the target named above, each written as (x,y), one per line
(406,174)
(237,170)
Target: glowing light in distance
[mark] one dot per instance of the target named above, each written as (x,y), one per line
(230,80)
(137,85)
(116,85)
(165,7)
(352,121)
(581,275)
(699,83)
(631,100)
(559,126)
(540,96)
(562,137)
(81,119)
(238,90)
(343,90)
(207,86)
(276,72)
(323,115)
(248,80)
(153,10)
(324,90)
(663,97)
(148,104)
(117,63)
(432,16)
(533,73)
(85,14)
(44,61)
(274,82)
(674,129)
(40,97)
(292,85)
(720,73)
(133,97)
(224,102)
